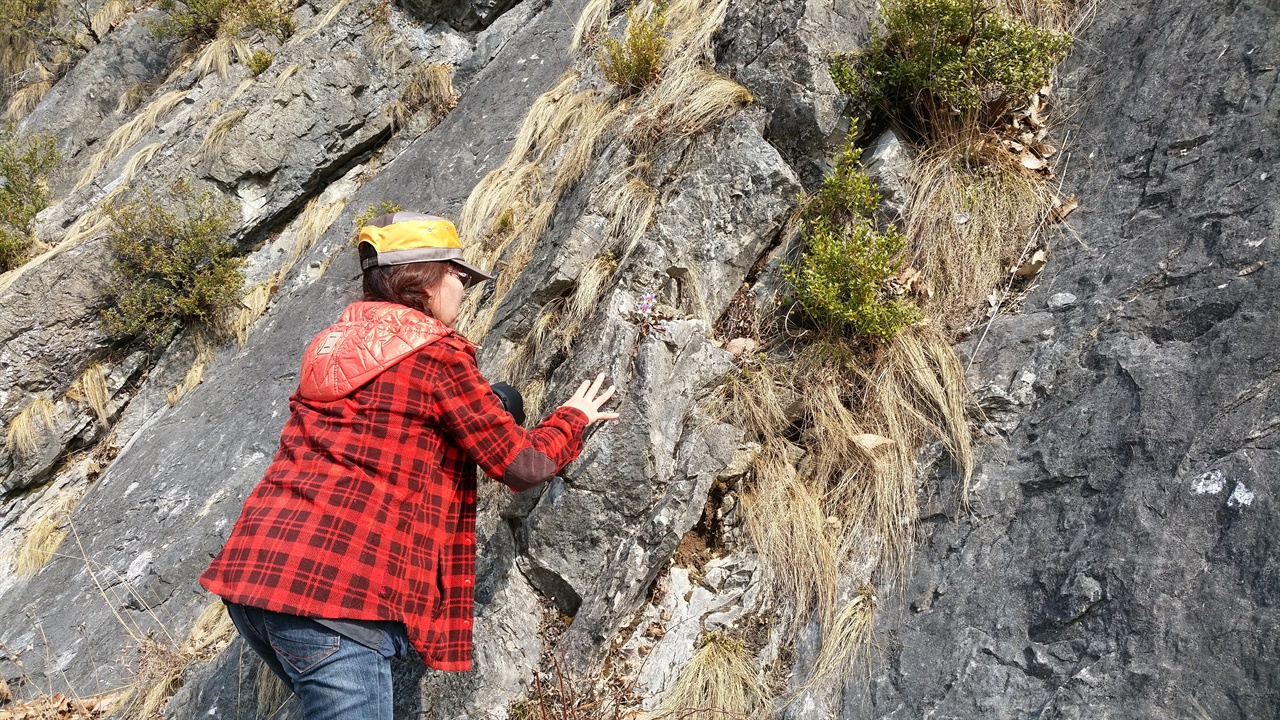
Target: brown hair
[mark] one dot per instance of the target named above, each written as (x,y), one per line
(401,283)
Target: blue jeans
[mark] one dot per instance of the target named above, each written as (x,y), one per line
(336,678)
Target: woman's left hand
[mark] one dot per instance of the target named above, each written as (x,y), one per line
(588,402)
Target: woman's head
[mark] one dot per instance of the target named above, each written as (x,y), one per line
(416,260)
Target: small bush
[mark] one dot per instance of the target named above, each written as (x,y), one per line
(191,19)
(941,65)
(259,61)
(24,166)
(635,61)
(846,261)
(202,20)
(171,268)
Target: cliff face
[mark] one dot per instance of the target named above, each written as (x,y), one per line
(1119,560)
(1116,558)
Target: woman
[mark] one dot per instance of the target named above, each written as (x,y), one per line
(359,541)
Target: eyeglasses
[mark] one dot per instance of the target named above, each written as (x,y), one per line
(462,275)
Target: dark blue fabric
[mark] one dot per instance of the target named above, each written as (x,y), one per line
(334,677)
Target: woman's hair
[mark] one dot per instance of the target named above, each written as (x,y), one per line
(401,283)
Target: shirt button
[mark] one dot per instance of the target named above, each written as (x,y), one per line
(469,497)
(467,581)
(468,540)
(385,592)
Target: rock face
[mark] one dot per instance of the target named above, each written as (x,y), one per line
(1116,562)
(1119,562)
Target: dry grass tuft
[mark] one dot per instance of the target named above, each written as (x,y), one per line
(91,389)
(132,97)
(109,15)
(849,645)
(45,537)
(22,102)
(430,88)
(241,89)
(216,56)
(194,376)
(630,204)
(27,429)
(591,25)
(286,74)
(272,693)
(139,159)
(253,305)
(125,136)
(788,527)
(970,212)
(324,21)
(722,679)
(315,221)
(161,667)
(219,129)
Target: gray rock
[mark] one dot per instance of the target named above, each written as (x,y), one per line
(888,163)
(1060,301)
(1105,571)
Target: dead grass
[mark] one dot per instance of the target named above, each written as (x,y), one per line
(970,211)
(26,98)
(219,129)
(132,97)
(286,74)
(161,667)
(91,389)
(45,537)
(849,646)
(431,88)
(324,21)
(252,306)
(272,694)
(195,374)
(139,159)
(110,15)
(216,57)
(591,25)
(125,136)
(722,679)
(29,427)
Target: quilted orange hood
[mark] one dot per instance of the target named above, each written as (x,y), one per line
(368,339)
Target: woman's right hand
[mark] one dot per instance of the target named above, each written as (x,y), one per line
(588,402)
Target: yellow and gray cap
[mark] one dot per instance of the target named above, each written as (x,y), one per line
(404,237)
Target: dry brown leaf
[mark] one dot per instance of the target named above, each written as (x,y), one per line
(870,442)
(1251,269)
(1031,162)
(1043,150)
(1032,266)
(1062,209)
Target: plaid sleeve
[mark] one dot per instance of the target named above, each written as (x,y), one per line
(473,416)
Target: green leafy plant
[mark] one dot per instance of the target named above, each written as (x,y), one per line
(202,20)
(24,166)
(171,267)
(259,61)
(938,66)
(846,261)
(635,61)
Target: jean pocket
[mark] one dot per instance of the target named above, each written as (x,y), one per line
(300,641)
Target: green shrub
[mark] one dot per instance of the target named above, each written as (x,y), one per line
(259,61)
(635,61)
(845,260)
(190,19)
(943,65)
(202,20)
(24,166)
(171,268)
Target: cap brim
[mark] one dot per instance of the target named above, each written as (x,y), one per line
(476,275)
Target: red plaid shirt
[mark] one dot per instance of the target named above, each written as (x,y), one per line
(368,510)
